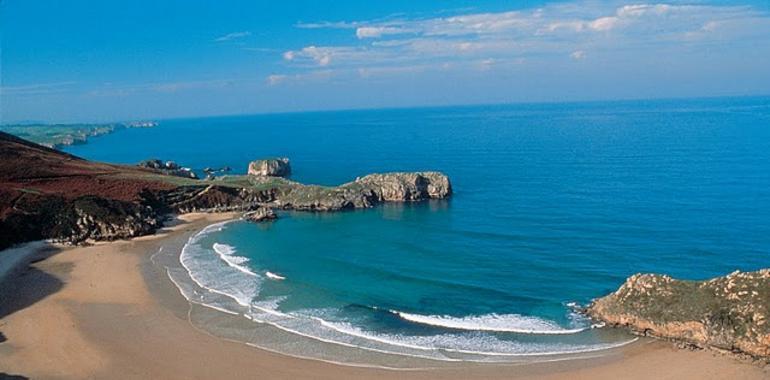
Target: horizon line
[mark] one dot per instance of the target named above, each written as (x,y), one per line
(393,108)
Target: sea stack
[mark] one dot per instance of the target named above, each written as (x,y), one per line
(274,167)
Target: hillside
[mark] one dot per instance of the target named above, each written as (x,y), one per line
(47,194)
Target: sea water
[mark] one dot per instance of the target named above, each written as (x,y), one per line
(554,205)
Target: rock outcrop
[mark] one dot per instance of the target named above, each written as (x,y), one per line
(261,214)
(213,198)
(365,192)
(274,167)
(168,168)
(400,187)
(79,220)
(727,313)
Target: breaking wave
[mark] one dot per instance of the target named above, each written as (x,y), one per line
(218,271)
(513,323)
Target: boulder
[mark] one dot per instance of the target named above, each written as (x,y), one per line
(151,164)
(168,168)
(261,214)
(274,167)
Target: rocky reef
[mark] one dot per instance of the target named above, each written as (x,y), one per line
(727,313)
(168,168)
(273,167)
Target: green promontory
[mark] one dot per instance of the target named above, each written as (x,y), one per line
(728,313)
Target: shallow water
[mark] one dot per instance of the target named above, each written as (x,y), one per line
(554,204)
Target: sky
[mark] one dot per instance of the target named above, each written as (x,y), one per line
(95,61)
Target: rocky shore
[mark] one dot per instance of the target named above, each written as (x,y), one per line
(47,194)
(726,313)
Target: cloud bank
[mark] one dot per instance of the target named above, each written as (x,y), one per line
(568,31)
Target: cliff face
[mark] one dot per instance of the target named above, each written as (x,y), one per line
(728,313)
(275,167)
(366,192)
(401,187)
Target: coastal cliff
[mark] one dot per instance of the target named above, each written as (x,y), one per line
(364,192)
(274,167)
(728,313)
(48,194)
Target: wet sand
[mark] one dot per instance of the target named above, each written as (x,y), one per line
(105,312)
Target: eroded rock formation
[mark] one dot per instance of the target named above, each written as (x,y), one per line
(728,313)
(274,167)
(261,214)
(366,192)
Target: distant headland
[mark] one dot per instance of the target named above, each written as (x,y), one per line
(59,135)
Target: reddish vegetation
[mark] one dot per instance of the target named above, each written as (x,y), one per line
(47,194)
(27,169)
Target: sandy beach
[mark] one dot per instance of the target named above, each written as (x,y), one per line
(104,311)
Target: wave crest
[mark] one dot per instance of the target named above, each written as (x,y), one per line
(513,323)
(227,254)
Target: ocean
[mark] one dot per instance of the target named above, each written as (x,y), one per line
(553,205)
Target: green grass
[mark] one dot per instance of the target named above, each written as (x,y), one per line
(56,135)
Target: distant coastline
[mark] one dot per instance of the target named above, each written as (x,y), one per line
(57,136)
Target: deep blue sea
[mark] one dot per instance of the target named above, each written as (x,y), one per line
(554,204)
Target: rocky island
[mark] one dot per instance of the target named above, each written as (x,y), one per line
(727,313)
(48,194)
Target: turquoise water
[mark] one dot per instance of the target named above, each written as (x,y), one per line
(554,204)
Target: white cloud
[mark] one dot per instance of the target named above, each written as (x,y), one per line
(376,31)
(637,10)
(469,40)
(487,64)
(276,79)
(232,36)
(38,88)
(604,23)
(578,55)
(322,56)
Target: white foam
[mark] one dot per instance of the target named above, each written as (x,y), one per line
(274,276)
(223,274)
(473,344)
(227,254)
(514,323)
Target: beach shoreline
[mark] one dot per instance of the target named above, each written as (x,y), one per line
(119,316)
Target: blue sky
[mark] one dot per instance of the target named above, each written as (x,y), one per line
(74,60)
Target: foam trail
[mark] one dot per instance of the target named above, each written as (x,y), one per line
(476,345)
(274,276)
(513,323)
(223,273)
(225,276)
(227,254)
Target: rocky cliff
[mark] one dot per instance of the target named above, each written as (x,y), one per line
(728,313)
(365,192)
(274,167)
(47,194)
